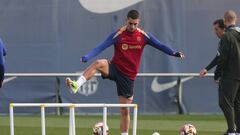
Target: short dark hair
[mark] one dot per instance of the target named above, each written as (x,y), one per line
(220,23)
(134,14)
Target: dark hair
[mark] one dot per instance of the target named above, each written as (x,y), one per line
(220,23)
(134,14)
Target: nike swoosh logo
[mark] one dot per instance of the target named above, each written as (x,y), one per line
(107,6)
(9,79)
(157,87)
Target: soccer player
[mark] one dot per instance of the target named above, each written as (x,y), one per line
(219,29)
(2,62)
(128,43)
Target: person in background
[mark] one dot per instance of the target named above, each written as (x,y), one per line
(219,29)
(229,64)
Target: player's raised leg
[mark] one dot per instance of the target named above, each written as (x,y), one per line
(99,65)
(125,115)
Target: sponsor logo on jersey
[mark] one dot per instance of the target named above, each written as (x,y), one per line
(135,47)
(126,47)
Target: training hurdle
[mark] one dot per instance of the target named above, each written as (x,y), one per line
(72,130)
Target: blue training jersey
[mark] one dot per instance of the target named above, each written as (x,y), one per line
(128,48)
(112,39)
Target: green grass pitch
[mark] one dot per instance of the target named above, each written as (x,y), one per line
(147,124)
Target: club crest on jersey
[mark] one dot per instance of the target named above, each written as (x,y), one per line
(138,38)
(124,46)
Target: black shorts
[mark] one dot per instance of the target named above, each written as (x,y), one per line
(124,84)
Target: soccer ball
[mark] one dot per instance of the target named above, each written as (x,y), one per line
(155,133)
(98,129)
(188,129)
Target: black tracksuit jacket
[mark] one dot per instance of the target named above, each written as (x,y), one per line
(229,58)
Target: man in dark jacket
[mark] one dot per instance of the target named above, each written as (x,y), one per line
(219,29)
(229,63)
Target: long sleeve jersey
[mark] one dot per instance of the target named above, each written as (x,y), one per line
(128,48)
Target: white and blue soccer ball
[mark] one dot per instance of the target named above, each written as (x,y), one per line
(98,129)
(188,129)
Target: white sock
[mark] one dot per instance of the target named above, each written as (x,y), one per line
(124,133)
(81,80)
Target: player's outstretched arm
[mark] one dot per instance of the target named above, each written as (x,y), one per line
(154,42)
(100,47)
